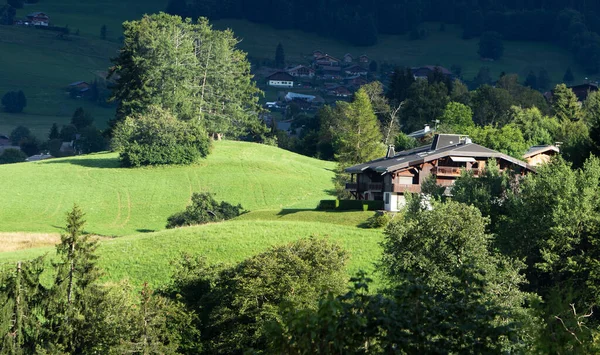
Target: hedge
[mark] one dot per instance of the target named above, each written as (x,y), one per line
(350,205)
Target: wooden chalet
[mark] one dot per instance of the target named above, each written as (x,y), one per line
(425,71)
(582,91)
(540,154)
(301,71)
(390,177)
(364,59)
(356,70)
(38,19)
(327,61)
(280,79)
(348,58)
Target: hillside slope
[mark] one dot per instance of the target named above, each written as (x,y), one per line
(146,257)
(118,201)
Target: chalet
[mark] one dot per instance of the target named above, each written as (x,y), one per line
(540,154)
(582,91)
(424,72)
(280,79)
(356,70)
(348,58)
(390,177)
(327,61)
(340,91)
(301,71)
(4,140)
(317,54)
(38,19)
(364,59)
(355,81)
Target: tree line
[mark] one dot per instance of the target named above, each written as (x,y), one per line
(573,25)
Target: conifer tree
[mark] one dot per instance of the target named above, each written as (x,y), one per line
(54,133)
(279,56)
(564,104)
(568,77)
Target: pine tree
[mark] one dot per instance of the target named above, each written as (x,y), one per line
(568,77)
(103,32)
(543,79)
(54,133)
(81,119)
(531,81)
(565,105)
(279,56)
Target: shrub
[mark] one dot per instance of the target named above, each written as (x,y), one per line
(204,209)
(10,156)
(325,205)
(158,138)
(378,220)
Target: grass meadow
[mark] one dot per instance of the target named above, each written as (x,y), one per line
(120,201)
(146,257)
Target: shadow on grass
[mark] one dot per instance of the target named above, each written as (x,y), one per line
(107,163)
(145,230)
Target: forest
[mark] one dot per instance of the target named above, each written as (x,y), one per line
(573,25)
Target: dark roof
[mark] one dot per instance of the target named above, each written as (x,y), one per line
(425,70)
(280,75)
(404,159)
(582,91)
(539,149)
(355,69)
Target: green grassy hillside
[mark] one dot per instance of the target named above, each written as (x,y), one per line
(146,257)
(122,201)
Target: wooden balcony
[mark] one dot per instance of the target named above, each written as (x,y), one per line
(402,188)
(352,186)
(451,171)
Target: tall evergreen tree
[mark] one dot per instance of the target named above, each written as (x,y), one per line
(564,104)
(279,56)
(401,80)
(543,79)
(54,132)
(531,80)
(568,77)
(81,119)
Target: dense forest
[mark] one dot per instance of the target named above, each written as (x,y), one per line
(573,25)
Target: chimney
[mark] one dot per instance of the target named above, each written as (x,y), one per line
(390,152)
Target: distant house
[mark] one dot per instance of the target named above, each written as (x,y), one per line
(540,154)
(291,96)
(79,89)
(356,81)
(301,71)
(38,19)
(582,91)
(39,157)
(425,71)
(340,91)
(317,54)
(280,79)
(356,70)
(327,60)
(389,178)
(4,140)
(348,58)
(420,133)
(364,59)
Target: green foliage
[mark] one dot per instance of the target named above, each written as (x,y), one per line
(490,45)
(568,77)
(204,209)
(7,14)
(564,104)
(350,205)
(404,142)
(158,138)
(54,132)
(490,105)
(537,128)
(91,140)
(378,220)
(401,81)
(14,101)
(81,119)
(189,69)
(11,156)
(19,134)
(236,303)
(279,56)
(508,139)
(325,205)
(425,102)
(457,118)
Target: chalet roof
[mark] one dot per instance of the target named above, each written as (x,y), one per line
(295,96)
(539,149)
(582,91)
(300,67)
(37,13)
(355,69)
(430,68)
(280,75)
(438,149)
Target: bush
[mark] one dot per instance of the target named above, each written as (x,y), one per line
(158,138)
(378,220)
(10,156)
(14,101)
(204,209)
(325,205)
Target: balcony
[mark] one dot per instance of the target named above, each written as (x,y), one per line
(450,171)
(402,188)
(352,186)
